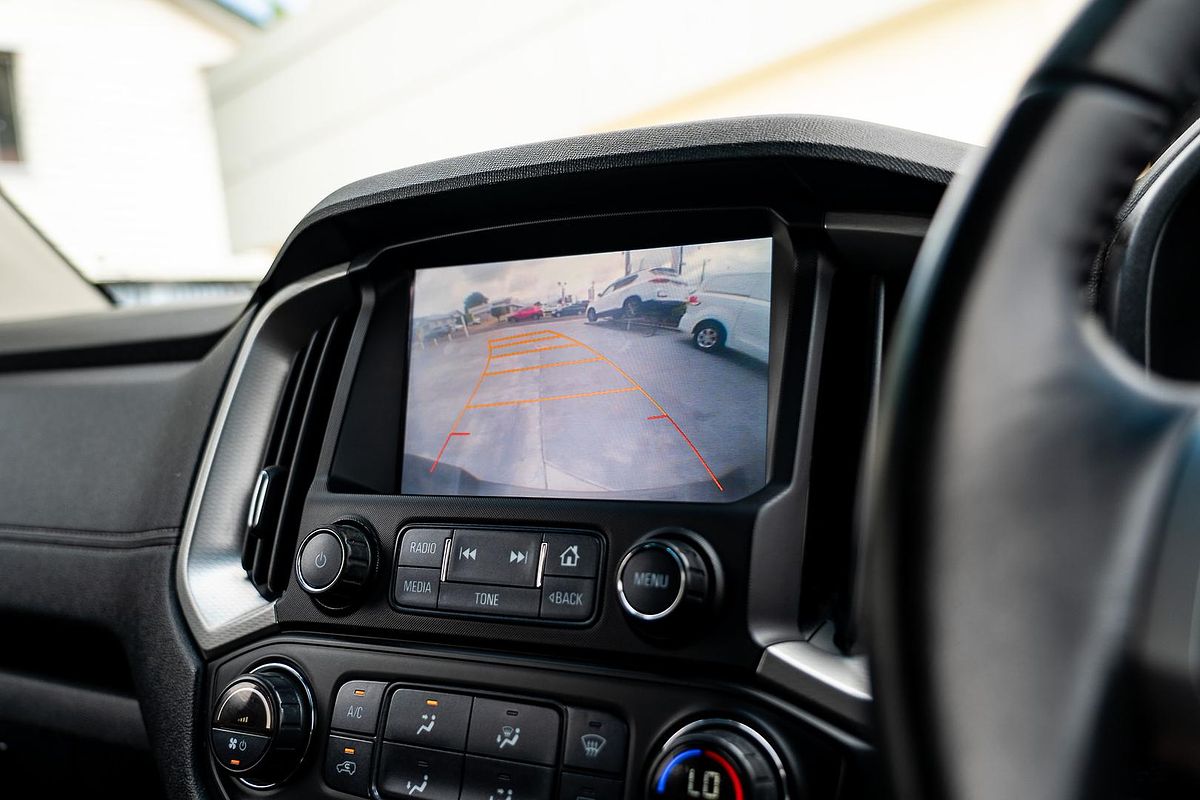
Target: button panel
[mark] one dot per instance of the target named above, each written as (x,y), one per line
(452,745)
(548,576)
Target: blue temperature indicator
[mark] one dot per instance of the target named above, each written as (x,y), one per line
(661,788)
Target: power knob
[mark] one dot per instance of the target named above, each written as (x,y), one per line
(261,725)
(335,564)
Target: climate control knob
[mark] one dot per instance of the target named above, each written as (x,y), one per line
(335,564)
(664,579)
(717,760)
(261,725)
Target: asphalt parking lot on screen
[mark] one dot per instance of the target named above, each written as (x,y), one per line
(563,407)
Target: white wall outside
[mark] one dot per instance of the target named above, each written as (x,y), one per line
(120,167)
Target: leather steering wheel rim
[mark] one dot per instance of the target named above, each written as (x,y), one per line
(1022,465)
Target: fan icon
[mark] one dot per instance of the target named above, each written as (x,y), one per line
(592,744)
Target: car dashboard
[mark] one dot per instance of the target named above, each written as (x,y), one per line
(365,541)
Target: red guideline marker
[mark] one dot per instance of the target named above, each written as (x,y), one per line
(442,452)
(658,416)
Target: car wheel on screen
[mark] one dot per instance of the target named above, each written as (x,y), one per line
(709,336)
(591,315)
(631,307)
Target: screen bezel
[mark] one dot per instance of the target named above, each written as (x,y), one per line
(390,273)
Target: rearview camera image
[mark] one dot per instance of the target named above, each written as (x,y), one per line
(638,374)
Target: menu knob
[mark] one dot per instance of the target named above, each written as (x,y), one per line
(663,579)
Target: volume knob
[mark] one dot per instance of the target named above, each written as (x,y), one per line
(335,564)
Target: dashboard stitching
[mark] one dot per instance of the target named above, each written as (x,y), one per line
(115,540)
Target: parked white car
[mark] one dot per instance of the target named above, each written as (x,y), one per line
(657,291)
(731,310)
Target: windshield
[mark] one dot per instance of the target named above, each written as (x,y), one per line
(162,150)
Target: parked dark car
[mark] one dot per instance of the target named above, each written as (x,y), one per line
(570,310)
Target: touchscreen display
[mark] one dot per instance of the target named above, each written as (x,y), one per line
(637,374)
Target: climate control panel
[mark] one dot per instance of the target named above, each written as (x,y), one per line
(389,722)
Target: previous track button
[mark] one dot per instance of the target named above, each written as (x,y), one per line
(496,557)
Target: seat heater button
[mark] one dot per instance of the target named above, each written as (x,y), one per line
(410,772)
(492,779)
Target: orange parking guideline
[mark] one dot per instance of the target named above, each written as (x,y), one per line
(519,342)
(541,366)
(519,335)
(535,350)
(654,402)
(524,401)
(458,419)
(524,338)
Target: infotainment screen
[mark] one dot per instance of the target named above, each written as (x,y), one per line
(638,374)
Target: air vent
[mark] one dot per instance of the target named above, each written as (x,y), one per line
(277,499)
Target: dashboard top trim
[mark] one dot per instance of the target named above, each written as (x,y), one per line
(907,154)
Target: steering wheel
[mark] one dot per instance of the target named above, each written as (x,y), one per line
(1034,497)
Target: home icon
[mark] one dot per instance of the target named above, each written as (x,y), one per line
(570,556)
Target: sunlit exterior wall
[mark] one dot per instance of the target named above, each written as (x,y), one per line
(119,161)
(355,87)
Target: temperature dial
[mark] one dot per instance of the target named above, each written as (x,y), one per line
(717,760)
